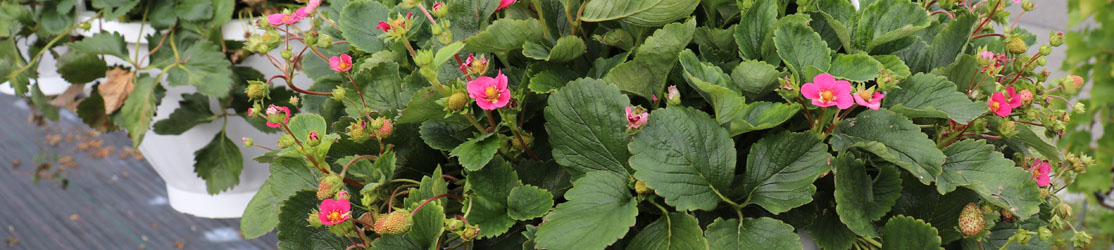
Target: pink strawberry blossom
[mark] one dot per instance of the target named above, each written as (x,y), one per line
(1014,100)
(273,111)
(1040,172)
(490,93)
(383,26)
(999,105)
(869,98)
(283,19)
(826,91)
(503,4)
(636,118)
(343,63)
(332,212)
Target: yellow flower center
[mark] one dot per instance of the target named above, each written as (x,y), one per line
(827,96)
(492,94)
(995,105)
(286,18)
(334,215)
(344,65)
(866,95)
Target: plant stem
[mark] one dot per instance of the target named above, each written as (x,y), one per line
(354,160)
(490,120)
(412,213)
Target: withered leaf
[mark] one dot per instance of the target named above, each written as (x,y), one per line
(68,99)
(115,89)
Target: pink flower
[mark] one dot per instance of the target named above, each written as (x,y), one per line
(276,119)
(869,99)
(1016,1)
(999,105)
(303,12)
(332,212)
(280,19)
(343,63)
(503,4)
(473,66)
(490,93)
(1014,99)
(987,55)
(313,4)
(636,118)
(825,91)
(1040,172)
(384,26)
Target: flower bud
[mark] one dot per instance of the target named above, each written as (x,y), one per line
(1079,108)
(248,142)
(324,41)
(1022,236)
(970,220)
(619,38)
(672,96)
(445,38)
(524,143)
(470,232)
(453,225)
(1041,62)
(641,188)
(294,100)
(1056,38)
(313,139)
(339,93)
(409,4)
(1016,46)
(440,10)
(886,80)
(314,220)
(329,186)
(1063,210)
(358,131)
(1081,239)
(286,141)
(424,58)
(287,54)
(257,90)
(1026,97)
(1044,233)
(1046,49)
(457,101)
(1027,5)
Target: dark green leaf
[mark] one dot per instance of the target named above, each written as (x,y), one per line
(638,12)
(977,166)
(753,232)
(139,109)
(192,110)
(428,224)
(204,66)
(586,125)
(294,231)
(505,35)
(79,67)
(856,67)
(877,26)
(907,233)
(442,135)
(860,200)
(491,186)
(685,156)
(892,137)
(476,152)
(600,209)
(646,74)
(755,28)
(676,230)
(358,20)
(566,49)
(781,169)
(219,163)
(528,202)
(926,95)
(103,44)
(801,47)
(755,78)
(288,176)
(194,10)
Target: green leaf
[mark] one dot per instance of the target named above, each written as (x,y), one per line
(647,73)
(139,108)
(759,116)
(192,110)
(444,54)
(586,125)
(288,176)
(528,202)
(832,27)
(431,185)
(222,12)
(599,210)
(755,78)
(476,152)
(423,107)
(566,49)
(358,20)
(926,95)
(504,35)
(923,202)
(1030,138)
(892,137)
(907,233)
(685,156)
(763,231)
(205,67)
(103,44)
(801,47)
(384,91)
(194,10)
(676,230)
(860,200)
(645,13)
(42,103)
(731,109)
(302,124)
(877,26)
(219,163)
(441,135)
(894,64)
(491,186)
(428,224)
(856,67)
(79,67)
(781,169)
(755,29)
(943,49)
(547,78)
(965,73)
(835,236)
(294,231)
(977,166)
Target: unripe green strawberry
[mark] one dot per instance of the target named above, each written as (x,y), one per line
(970,220)
(1016,46)
(457,101)
(329,186)
(641,188)
(395,223)
(256,90)
(523,144)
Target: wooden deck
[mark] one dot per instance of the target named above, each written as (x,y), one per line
(111,202)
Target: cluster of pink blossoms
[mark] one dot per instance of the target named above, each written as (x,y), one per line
(826,91)
(1003,105)
(288,19)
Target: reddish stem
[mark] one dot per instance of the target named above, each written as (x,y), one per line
(987,34)
(949,14)
(412,213)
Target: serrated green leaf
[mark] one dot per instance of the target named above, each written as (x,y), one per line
(965,73)
(646,74)
(441,135)
(678,231)
(1026,135)
(79,67)
(357,21)
(763,231)
(685,156)
(423,107)
(926,95)
(731,109)
(444,54)
(205,67)
(194,10)
(781,169)
(755,29)
(219,163)
(476,152)
(755,78)
(491,186)
(566,49)
(892,137)
(907,233)
(923,202)
(547,78)
(139,109)
(288,176)
(431,185)
(760,116)
(801,47)
(294,231)
(834,31)
(504,35)
(894,64)
(977,166)
(302,124)
(944,47)
(835,236)
(856,67)
(102,44)
(528,202)
(860,200)
(587,128)
(428,224)
(638,12)
(192,110)
(384,92)
(600,209)
(877,26)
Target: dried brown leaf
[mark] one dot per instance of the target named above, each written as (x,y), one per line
(68,99)
(116,88)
